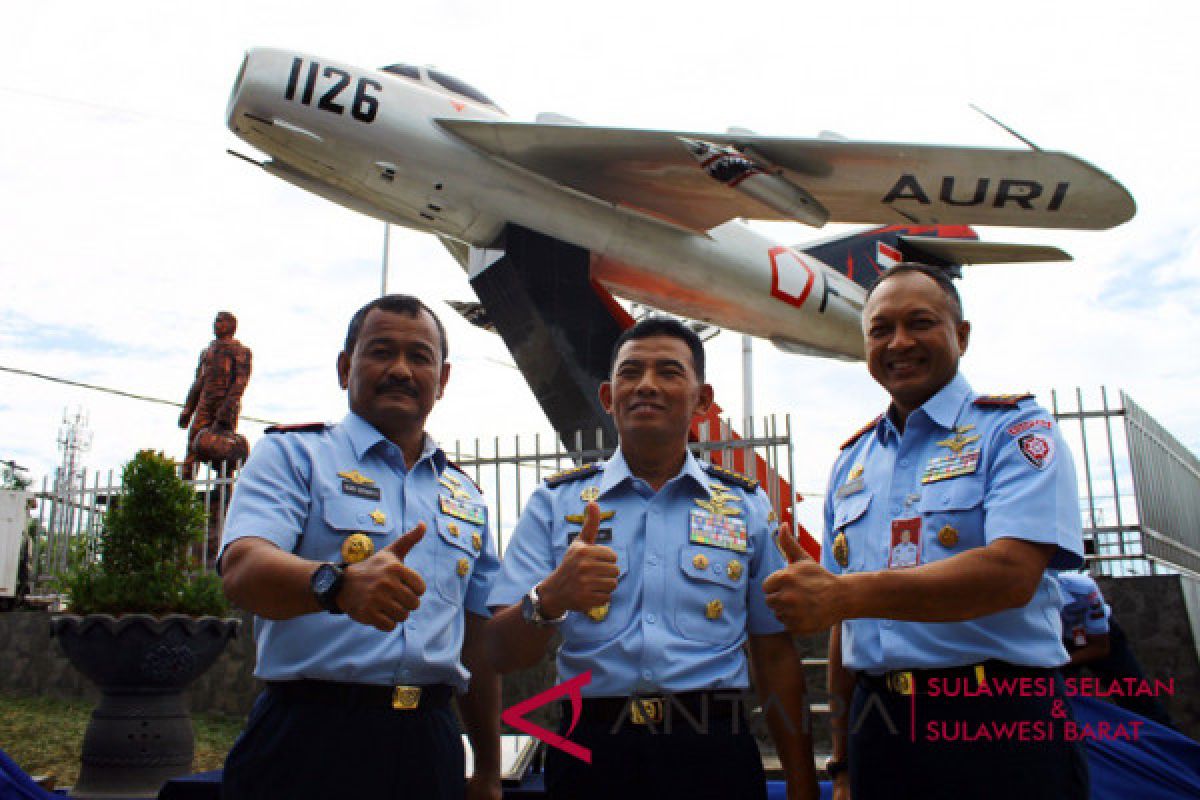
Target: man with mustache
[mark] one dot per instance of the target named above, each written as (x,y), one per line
(366,557)
(980,493)
(651,565)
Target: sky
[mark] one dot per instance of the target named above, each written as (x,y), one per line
(124,225)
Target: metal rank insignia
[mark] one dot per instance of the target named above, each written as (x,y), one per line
(455,486)
(452,529)
(856,472)
(719,504)
(357,547)
(589,494)
(700,561)
(714,609)
(772,516)
(378,517)
(734,570)
(599,613)
(959,441)
(948,536)
(357,478)
(944,467)
(841,550)
(577,519)
(476,541)
(464,566)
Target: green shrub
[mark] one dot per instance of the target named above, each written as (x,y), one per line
(143,559)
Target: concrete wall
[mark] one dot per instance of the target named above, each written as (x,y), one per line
(1164,634)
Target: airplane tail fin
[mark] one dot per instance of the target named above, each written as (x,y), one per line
(865,255)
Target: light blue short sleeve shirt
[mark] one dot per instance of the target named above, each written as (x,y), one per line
(1085,608)
(690,588)
(294,492)
(964,473)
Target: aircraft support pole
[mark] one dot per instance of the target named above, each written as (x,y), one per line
(387,236)
(748,382)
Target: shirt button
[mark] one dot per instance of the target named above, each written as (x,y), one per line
(362,518)
(946,500)
(650,618)
(647,674)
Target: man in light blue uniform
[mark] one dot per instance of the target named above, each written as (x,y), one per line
(651,566)
(1097,643)
(358,546)
(984,487)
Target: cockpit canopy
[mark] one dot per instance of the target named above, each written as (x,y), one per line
(449,83)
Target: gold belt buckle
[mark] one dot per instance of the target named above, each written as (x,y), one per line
(406,698)
(646,710)
(900,682)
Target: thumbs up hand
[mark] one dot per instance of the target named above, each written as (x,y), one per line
(382,591)
(804,596)
(587,576)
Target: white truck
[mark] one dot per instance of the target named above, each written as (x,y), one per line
(14,520)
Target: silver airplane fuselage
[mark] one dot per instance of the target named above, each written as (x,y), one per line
(370,141)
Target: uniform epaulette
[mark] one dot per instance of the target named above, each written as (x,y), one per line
(858,434)
(574,474)
(736,478)
(1001,400)
(463,472)
(299,427)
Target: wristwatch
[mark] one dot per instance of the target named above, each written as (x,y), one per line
(834,767)
(326,582)
(531,611)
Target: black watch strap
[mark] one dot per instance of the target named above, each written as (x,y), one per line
(325,583)
(835,767)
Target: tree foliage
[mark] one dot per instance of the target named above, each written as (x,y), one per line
(143,560)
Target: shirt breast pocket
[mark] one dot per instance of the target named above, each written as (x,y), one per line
(346,516)
(711,598)
(458,548)
(952,518)
(848,515)
(604,621)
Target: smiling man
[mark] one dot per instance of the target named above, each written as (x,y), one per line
(651,566)
(942,517)
(366,558)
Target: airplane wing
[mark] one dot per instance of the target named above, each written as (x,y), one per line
(973,251)
(656,172)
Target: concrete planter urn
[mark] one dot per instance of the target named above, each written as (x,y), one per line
(140,735)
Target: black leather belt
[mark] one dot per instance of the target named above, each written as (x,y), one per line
(916,681)
(654,709)
(363,695)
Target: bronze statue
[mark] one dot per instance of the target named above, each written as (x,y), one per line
(215,399)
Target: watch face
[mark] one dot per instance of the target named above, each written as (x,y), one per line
(324,578)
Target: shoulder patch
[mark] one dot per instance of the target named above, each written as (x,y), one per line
(463,472)
(858,434)
(736,478)
(1000,400)
(574,474)
(299,427)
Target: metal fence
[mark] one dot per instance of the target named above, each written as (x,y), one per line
(70,512)
(1139,492)
(509,469)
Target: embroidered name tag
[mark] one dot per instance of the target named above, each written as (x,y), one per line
(460,509)
(603,536)
(361,491)
(728,533)
(951,466)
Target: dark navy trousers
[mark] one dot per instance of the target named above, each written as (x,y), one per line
(635,763)
(296,750)
(925,748)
